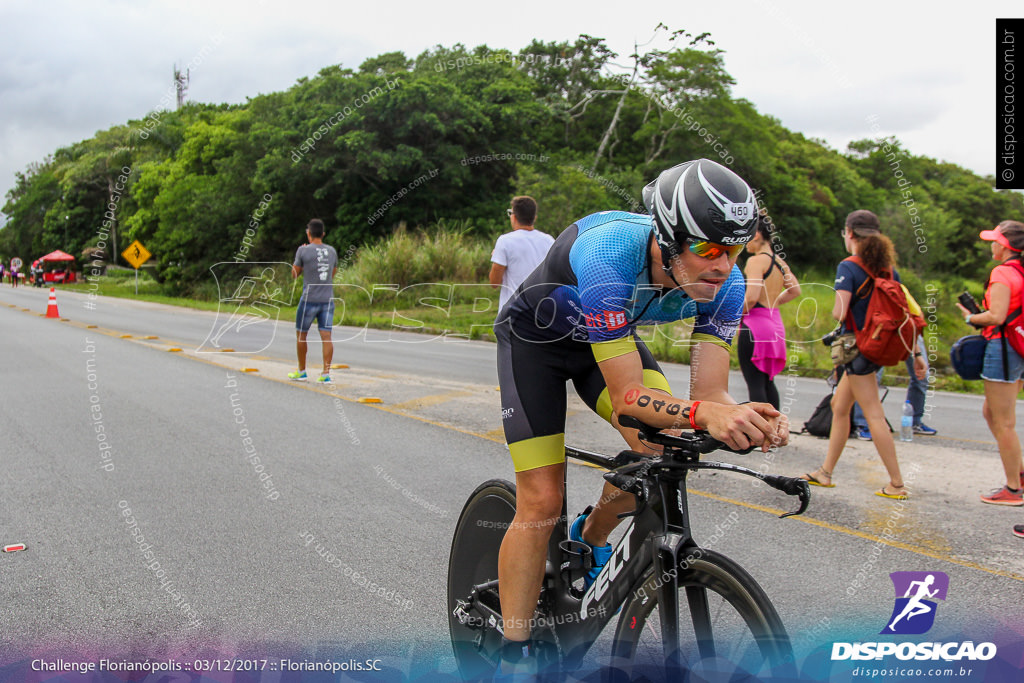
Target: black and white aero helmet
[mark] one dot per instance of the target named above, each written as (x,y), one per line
(700,200)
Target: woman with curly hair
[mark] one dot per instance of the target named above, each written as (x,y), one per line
(862,236)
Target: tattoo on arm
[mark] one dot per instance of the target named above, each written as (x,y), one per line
(644,400)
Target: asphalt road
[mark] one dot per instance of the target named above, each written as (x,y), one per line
(270,565)
(446,358)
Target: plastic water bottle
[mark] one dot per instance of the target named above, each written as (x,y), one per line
(907,423)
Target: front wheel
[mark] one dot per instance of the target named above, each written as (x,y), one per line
(727,624)
(474,561)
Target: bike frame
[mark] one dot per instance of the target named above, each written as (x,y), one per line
(658,535)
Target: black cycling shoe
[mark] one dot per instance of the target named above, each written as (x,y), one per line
(519,661)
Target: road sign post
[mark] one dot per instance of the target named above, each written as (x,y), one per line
(136,255)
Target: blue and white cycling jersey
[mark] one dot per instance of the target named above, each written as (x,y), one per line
(595,286)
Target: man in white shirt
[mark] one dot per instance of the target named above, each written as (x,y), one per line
(517,253)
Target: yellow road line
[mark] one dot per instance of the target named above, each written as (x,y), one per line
(490,436)
(391,409)
(432,400)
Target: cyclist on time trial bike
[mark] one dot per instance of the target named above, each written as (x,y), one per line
(574,318)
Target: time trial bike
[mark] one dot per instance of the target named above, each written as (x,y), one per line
(678,605)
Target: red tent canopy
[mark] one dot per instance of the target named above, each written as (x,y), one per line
(58,256)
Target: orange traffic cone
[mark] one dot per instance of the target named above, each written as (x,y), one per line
(51,307)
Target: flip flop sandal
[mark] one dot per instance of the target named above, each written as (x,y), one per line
(895,496)
(811,479)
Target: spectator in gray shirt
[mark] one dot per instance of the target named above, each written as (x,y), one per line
(318,262)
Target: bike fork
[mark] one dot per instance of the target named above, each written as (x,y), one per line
(674,549)
(666,566)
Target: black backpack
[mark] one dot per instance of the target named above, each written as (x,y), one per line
(820,421)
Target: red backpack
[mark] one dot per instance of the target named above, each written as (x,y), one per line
(890,329)
(1013,327)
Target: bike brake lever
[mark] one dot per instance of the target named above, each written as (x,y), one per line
(792,486)
(628,457)
(623,479)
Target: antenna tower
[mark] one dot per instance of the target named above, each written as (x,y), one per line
(180,84)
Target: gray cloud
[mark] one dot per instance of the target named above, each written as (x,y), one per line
(69,69)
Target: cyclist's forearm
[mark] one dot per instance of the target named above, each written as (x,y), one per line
(657,409)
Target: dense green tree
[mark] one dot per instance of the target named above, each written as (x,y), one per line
(450,134)
(35,193)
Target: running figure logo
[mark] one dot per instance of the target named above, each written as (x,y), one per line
(247,318)
(914,611)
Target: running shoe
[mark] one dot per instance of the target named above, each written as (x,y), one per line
(601,554)
(1018,530)
(297,376)
(1004,496)
(863,433)
(925,430)
(324,379)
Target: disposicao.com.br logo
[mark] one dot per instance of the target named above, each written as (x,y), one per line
(914,613)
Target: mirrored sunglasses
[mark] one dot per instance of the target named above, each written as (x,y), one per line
(712,250)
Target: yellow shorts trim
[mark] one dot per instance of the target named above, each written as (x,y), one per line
(652,380)
(613,349)
(699,337)
(539,451)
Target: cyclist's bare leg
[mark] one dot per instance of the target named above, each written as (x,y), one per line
(524,549)
(605,515)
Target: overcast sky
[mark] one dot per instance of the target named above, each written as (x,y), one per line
(71,68)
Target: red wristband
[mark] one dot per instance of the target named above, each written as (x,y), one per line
(693,414)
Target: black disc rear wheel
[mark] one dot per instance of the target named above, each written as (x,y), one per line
(473,561)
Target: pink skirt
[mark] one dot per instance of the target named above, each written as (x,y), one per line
(769,337)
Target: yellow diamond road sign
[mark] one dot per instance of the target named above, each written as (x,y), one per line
(136,254)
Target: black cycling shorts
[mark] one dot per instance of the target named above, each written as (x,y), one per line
(532,376)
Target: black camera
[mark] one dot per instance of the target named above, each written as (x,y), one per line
(968,302)
(830,337)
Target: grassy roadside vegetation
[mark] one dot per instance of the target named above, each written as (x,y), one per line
(120,282)
(435,283)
